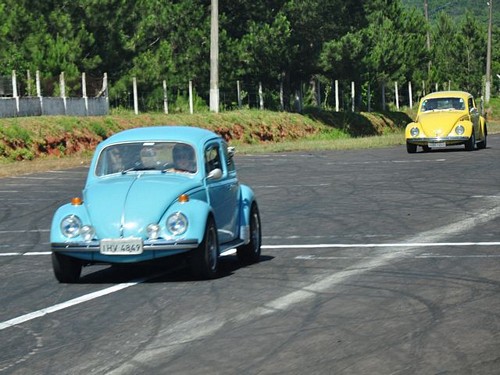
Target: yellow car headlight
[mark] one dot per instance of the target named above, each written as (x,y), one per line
(414,132)
(459,130)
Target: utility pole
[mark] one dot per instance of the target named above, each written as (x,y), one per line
(426,12)
(487,90)
(214,57)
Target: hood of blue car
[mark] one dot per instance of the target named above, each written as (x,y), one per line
(126,204)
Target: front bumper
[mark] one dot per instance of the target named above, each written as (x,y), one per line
(426,141)
(156,245)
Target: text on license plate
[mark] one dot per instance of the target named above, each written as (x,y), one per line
(125,246)
(437,144)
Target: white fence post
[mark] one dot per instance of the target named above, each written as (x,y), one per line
(238,93)
(84,94)
(62,84)
(383,96)
(410,95)
(191,110)
(261,97)
(28,83)
(336,95)
(165,97)
(282,101)
(136,101)
(369,99)
(39,90)
(105,86)
(14,90)
(396,94)
(318,93)
(353,96)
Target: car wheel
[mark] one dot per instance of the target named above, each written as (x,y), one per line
(205,259)
(66,269)
(470,144)
(250,253)
(411,148)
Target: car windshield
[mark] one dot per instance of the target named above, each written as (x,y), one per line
(443,104)
(147,156)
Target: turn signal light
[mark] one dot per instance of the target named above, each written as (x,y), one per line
(183,198)
(76,201)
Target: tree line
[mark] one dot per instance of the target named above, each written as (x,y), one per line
(285,45)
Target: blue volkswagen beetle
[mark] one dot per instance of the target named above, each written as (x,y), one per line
(155,192)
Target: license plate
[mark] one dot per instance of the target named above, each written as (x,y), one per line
(437,144)
(125,246)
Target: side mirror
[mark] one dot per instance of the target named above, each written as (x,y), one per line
(231,151)
(215,174)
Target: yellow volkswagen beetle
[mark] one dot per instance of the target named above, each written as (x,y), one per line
(446,118)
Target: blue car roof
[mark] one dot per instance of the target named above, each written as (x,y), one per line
(162,133)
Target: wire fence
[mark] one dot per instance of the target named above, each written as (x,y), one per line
(81,90)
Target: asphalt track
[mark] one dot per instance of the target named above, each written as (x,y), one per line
(374,262)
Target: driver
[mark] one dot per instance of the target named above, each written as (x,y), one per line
(184,158)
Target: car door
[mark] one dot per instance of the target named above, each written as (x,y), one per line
(222,192)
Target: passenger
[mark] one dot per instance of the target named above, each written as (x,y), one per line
(115,160)
(184,158)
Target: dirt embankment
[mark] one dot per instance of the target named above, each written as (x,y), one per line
(32,138)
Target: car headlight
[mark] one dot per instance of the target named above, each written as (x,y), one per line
(87,232)
(153,231)
(414,132)
(71,226)
(177,223)
(459,130)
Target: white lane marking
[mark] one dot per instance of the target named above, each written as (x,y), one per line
(310,246)
(51,178)
(24,231)
(35,192)
(386,162)
(308,291)
(315,257)
(27,253)
(64,305)
(288,186)
(68,171)
(362,245)
(30,253)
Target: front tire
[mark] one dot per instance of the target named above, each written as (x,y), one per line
(470,144)
(250,253)
(66,269)
(205,259)
(411,148)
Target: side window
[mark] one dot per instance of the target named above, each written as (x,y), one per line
(471,104)
(212,158)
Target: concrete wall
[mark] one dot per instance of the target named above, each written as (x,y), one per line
(53,106)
